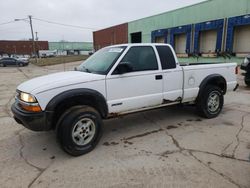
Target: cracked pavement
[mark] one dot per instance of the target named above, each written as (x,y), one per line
(168,147)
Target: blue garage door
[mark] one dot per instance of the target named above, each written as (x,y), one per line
(216,25)
(232,24)
(181,30)
(159,33)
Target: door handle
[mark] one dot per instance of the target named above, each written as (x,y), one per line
(158,77)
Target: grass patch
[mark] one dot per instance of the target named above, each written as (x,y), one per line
(58,60)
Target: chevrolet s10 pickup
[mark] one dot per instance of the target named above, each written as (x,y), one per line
(114,81)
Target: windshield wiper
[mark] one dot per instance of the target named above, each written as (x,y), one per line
(86,69)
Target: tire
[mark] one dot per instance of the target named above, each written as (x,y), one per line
(210,102)
(79,130)
(247,79)
(247,82)
(20,64)
(2,65)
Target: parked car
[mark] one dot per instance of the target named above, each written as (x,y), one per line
(246,67)
(47,53)
(114,81)
(21,58)
(13,62)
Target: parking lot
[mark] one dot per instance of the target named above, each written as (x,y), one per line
(168,147)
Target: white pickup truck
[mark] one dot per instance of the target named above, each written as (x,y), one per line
(114,81)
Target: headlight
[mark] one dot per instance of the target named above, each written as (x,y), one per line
(246,61)
(28,102)
(27,97)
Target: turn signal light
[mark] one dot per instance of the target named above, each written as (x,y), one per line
(31,108)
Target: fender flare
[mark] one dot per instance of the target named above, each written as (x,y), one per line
(99,99)
(215,79)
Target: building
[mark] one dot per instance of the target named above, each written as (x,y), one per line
(113,35)
(213,28)
(71,48)
(21,47)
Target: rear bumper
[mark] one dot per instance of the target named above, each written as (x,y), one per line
(33,121)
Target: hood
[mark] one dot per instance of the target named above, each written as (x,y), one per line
(57,80)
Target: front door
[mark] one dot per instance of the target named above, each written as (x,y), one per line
(140,88)
(13,61)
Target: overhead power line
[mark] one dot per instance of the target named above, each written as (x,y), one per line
(7,22)
(62,24)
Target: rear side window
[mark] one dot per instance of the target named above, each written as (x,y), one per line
(166,57)
(141,58)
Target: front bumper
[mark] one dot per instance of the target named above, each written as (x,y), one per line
(245,67)
(33,121)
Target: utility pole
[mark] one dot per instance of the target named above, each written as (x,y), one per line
(33,39)
(36,36)
(32,33)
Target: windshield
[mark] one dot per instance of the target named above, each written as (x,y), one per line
(101,61)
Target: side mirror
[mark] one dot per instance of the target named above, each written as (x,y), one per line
(123,67)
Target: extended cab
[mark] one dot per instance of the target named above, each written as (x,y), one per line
(114,81)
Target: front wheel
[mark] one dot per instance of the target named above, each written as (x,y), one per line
(79,130)
(247,82)
(210,102)
(20,64)
(247,79)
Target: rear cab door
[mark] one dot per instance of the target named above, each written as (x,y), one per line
(172,74)
(140,88)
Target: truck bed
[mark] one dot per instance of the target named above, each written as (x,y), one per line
(195,73)
(190,64)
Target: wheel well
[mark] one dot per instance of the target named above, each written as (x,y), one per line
(219,83)
(216,80)
(76,101)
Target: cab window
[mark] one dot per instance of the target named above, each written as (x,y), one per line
(141,58)
(166,56)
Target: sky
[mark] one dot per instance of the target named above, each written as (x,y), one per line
(90,14)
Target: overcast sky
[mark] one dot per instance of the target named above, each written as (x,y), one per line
(97,14)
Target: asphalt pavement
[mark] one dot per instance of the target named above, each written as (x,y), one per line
(168,147)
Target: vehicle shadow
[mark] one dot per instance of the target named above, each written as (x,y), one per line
(166,118)
(43,148)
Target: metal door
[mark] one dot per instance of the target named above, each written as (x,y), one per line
(242,39)
(208,41)
(180,43)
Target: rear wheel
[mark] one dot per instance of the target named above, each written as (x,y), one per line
(2,65)
(79,130)
(210,102)
(20,64)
